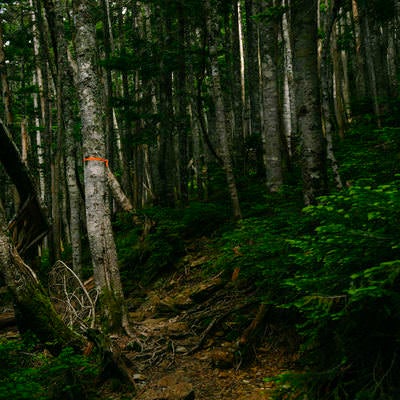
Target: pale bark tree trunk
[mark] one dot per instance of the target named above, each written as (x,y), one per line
(119,195)
(288,101)
(49,166)
(39,145)
(221,128)
(253,78)
(337,87)
(38,80)
(237,90)
(271,132)
(393,58)
(100,235)
(304,29)
(65,96)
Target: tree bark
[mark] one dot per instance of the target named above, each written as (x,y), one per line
(304,30)
(100,235)
(65,95)
(221,127)
(253,79)
(271,131)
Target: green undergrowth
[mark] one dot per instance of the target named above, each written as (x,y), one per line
(332,268)
(145,256)
(335,267)
(26,372)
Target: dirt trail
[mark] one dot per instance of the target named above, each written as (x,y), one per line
(186,344)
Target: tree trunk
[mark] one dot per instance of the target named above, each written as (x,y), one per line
(65,95)
(288,97)
(325,73)
(253,79)
(100,235)
(369,60)
(271,132)
(304,30)
(182,122)
(221,128)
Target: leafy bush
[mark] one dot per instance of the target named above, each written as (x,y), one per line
(26,373)
(258,246)
(346,290)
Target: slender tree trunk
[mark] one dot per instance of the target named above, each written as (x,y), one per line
(360,80)
(337,87)
(253,79)
(304,29)
(182,123)
(369,60)
(48,167)
(325,73)
(65,95)
(98,219)
(237,91)
(271,132)
(288,102)
(166,163)
(221,127)
(117,192)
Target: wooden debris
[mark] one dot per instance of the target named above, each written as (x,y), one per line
(7,319)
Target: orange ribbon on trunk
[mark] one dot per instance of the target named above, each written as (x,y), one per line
(92,158)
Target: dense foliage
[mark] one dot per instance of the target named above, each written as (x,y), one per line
(336,267)
(28,373)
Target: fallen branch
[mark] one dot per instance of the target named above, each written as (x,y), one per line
(257,321)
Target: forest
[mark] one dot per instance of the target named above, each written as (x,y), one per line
(200,199)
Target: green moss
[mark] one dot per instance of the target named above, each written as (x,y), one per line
(36,314)
(111,311)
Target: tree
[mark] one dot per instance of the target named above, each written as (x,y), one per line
(98,220)
(304,31)
(220,117)
(67,123)
(271,130)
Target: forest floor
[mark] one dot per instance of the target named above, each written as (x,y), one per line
(198,336)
